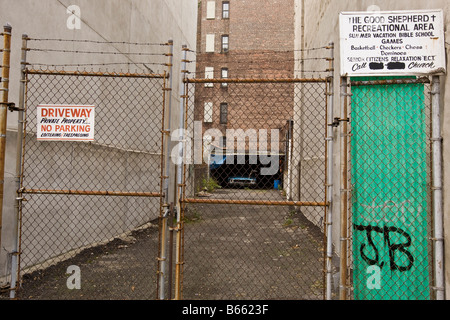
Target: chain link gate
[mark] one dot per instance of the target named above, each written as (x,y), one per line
(90,210)
(389,233)
(254,190)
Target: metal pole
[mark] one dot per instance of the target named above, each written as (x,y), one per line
(290,156)
(330,142)
(4,113)
(97,74)
(257,202)
(344,196)
(19,151)
(438,236)
(170,251)
(179,179)
(94,193)
(163,220)
(183,196)
(252,80)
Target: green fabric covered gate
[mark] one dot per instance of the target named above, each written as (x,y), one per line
(389,191)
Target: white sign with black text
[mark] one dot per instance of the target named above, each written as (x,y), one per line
(392,43)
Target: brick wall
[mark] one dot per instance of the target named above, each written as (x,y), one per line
(259,25)
(261,43)
(254,25)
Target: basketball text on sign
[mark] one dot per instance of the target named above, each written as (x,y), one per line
(392,43)
(65,123)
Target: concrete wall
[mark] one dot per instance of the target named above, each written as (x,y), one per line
(317,23)
(148,21)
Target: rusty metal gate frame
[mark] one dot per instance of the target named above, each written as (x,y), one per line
(22,190)
(329,126)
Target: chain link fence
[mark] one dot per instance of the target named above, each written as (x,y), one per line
(90,209)
(254,206)
(254,197)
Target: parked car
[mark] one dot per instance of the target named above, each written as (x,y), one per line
(241,181)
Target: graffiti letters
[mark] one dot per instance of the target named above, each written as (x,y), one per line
(396,250)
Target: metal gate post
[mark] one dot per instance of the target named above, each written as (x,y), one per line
(7,30)
(438,237)
(19,152)
(163,235)
(179,176)
(329,183)
(344,237)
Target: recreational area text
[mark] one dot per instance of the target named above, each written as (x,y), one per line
(65,123)
(392,43)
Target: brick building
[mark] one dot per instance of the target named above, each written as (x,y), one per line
(245,40)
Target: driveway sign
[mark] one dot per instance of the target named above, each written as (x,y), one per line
(65,123)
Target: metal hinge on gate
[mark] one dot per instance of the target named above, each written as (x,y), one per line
(11,106)
(337,122)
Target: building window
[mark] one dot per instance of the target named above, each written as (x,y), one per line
(208,115)
(209,74)
(224,76)
(225,10)
(210,42)
(223,113)
(225,43)
(211,10)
